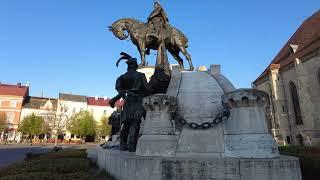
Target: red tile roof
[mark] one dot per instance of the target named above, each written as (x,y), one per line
(103,102)
(14,90)
(98,102)
(307,37)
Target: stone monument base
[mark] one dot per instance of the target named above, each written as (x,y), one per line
(125,166)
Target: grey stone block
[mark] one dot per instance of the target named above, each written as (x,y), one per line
(245,120)
(198,82)
(283,168)
(173,88)
(250,146)
(209,141)
(225,84)
(157,145)
(199,104)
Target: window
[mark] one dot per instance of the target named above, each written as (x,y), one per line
(288,140)
(10,118)
(295,102)
(283,109)
(104,112)
(13,103)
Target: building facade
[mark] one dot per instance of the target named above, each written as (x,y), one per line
(69,104)
(40,106)
(99,107)
(11,100)
(292,81)
(16,104)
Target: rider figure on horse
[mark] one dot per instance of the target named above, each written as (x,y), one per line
(157,22)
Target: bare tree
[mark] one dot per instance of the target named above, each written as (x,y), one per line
(59,122)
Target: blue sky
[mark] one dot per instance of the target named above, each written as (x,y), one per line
(63,45)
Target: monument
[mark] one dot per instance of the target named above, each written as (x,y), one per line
(197,124)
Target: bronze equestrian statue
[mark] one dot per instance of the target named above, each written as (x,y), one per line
(152,34)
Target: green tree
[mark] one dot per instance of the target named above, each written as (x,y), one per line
(3,119)
(82,124)
(104,128)
(32,125)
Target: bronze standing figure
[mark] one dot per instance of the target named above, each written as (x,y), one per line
(132,87)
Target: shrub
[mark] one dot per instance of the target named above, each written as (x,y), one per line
(51,140)
(47,176)
(31,155)
(66,164)
(56,149)
(309,158)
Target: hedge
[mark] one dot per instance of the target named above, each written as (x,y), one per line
(309,158)
(71,164)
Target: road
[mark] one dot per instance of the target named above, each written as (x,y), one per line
(16,152)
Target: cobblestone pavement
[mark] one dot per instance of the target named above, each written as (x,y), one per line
(11,153)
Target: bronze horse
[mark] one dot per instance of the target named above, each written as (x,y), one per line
(175,41)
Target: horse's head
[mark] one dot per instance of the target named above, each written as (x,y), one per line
(118,29)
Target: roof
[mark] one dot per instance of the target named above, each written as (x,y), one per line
(38,102)
(14,90)
(92,101)
(98,102)
(307,37)
(72,97)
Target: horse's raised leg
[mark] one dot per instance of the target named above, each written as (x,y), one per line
(187,55)
(142,51)
(143,57)
(175,55)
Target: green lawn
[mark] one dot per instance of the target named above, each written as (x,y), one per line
(70,164)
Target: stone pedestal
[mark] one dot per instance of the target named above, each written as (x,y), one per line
(158,136)
(246,132)
(199,101)
(125,165)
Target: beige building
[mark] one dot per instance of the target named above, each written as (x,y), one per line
(69,104)
(99,107)
(292,81)
(40,106)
